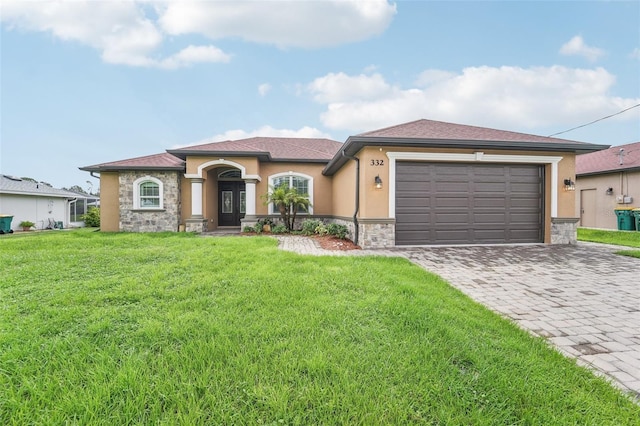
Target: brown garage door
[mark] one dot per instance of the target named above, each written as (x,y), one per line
(443,203)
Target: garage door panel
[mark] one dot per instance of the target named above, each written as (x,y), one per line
(468,203)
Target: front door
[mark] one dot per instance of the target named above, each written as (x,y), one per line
(231,203)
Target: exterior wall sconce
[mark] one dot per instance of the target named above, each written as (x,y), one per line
(378,182)
(609,191)
(569,185)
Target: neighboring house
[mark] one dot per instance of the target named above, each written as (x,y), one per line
(605,181)
(39,203)
(419,183)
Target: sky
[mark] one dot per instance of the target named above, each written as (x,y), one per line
(87,82)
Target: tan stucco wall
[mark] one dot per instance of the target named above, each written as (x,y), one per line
(322,188)
(109,202)
(185,211)
(622,183)
(344,190)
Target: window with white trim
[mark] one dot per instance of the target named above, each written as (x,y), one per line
(301,182)
(148,193)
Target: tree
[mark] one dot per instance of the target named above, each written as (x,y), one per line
(287,201)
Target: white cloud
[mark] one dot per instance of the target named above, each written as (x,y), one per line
(266,131)
(504,97)
(341,87)
(577,46)
(120,30)
(195,54)
(308,24)
(264,88)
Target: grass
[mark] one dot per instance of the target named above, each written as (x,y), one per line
(122,328)
(621,238)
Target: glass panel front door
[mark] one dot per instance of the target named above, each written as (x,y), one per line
(231,203)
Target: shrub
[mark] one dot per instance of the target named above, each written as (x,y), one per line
(321,229)
(92,218)
(278,229)
(248,229)
(257,228)
(309,226)
(337,230)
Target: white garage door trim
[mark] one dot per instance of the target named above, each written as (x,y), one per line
(472,158)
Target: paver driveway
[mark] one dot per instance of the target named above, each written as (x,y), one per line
(584,299)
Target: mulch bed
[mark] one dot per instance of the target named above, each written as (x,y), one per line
(329,242)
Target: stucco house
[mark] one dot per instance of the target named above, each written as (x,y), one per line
(605,181)
(419,183)
(39,203)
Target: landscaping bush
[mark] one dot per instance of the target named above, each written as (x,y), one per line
(92,218)
(309,226)
(278,229)
(337,230)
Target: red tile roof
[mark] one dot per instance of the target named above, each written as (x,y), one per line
(429,129)
(609,160)
(276,148)
(164,161)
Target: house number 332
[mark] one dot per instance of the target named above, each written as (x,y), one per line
(377,162)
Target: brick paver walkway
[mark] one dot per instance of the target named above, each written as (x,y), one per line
(583,299)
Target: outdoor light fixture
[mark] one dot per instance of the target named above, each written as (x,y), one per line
(569,185)
(609,191)
(378,182)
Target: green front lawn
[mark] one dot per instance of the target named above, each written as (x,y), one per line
(176,329)
(621,238)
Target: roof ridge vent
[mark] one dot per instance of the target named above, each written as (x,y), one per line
(15,178)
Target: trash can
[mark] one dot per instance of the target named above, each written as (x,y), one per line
(636,215)
(625,219)
(5,224)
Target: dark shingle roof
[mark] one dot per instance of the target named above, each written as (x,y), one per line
(430,129)
(269,148)
(438,134)
(609,160)
(164,161)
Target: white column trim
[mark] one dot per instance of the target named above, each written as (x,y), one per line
(196,197)
(476,157)
(250,197)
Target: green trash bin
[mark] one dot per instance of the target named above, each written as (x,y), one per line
(5,224)
(625,219)
(636,215)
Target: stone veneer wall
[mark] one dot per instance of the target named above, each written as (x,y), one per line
(372,233)
(564,230)
(141,220)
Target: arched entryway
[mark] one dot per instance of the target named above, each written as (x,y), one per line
(232,197)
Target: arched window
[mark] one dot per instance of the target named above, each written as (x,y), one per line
(147,193)
(301,182)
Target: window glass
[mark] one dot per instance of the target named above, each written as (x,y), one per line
(301,184)
(149,194)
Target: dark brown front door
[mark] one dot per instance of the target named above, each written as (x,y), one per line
(231,203)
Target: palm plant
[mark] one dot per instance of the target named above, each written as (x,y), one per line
(287,200)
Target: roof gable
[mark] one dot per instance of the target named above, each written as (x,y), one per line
(609,160)
(268,148)
(438,134)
